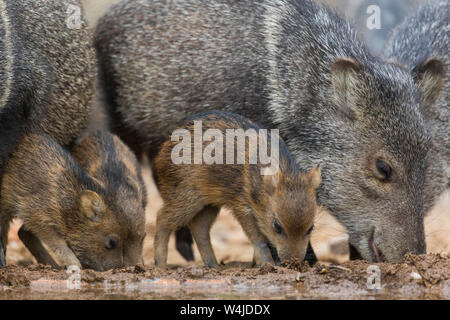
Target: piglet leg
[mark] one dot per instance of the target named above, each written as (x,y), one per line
(58,246)
(200,227)
(3,242)
(248,223)
(2,255)
(34,245)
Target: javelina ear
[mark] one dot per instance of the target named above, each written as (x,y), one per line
(429,77)
(315,177)
(344,81)
(92,205)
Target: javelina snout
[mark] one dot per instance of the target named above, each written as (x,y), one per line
(386,192)
(292,203)
(97,237)
(404,232)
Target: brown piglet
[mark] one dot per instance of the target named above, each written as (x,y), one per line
(61,206)
(275,205)
(115,167)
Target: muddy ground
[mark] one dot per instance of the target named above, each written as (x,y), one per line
(335,277)
(418,277)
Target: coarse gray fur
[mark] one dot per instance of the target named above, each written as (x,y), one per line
(47,72)
(423,36)
(289,64)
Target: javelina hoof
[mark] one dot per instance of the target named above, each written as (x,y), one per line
(2,256)
(160,265)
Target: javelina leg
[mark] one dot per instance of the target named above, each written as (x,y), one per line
(183,243)
(161,246)
(273,252)
(2,256)
(162,235)
(3,242)
(171,217)
(63,254)
(200,227)
(310,256)
(248,223)
(34,245)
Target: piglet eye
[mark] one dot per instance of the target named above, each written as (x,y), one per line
(310,230)
(112,242)
(384,170)
(277,227)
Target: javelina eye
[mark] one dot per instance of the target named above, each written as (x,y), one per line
(310,230)
(277,227)
(112,242)
(383,169)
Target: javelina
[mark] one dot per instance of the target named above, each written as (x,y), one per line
(422,44)
(47,71)
(61,207)
(278,208)
(287,64)
(114,166)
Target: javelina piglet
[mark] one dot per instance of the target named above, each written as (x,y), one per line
(275,204)
(115,167)
(61,207)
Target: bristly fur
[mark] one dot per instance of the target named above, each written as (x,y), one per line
(60,204)
(114,166)
(47,72)
(287,64)
(194,193)
(422,36)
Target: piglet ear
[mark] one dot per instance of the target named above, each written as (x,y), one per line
(345,84)
(315,177)
(91,205)
(429,76)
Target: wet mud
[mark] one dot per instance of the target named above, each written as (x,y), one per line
(417,277)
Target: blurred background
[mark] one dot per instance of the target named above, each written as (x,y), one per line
(329,238)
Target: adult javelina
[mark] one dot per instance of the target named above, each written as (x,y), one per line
(61,207)
(47,71)
(289,64)
(422,44)
(115,167)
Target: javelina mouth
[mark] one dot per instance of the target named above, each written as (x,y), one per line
(376,252)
